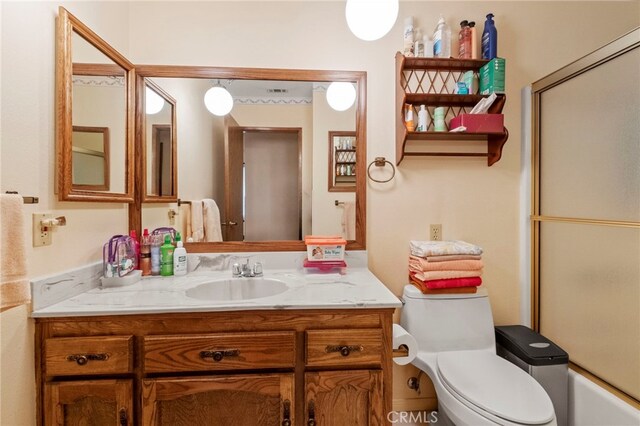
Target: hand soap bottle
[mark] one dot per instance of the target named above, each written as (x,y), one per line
(179,257)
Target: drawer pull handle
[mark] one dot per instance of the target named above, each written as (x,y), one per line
(123,417)
(311,421)
(82,359)
(344,349)
(286,414)
(217,356)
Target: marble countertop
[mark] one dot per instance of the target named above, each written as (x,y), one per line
(358,288)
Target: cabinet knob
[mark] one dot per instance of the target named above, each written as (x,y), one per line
(123,417)
(311,421)
(286,413)
(218,356)
(83,359)
(345,350)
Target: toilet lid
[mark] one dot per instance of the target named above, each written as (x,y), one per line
(496,386)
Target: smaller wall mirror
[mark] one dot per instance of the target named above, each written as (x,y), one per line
(160,144)
(94,138)
(90,153)
(342,161)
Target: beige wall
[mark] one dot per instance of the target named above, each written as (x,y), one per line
(473,202)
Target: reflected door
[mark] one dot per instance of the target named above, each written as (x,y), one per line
(233,221)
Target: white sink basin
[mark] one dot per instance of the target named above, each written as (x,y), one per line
(237,289)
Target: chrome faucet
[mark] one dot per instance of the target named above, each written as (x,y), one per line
(246,270)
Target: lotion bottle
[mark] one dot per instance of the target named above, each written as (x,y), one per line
(179,257)
(422,119)
(489,39)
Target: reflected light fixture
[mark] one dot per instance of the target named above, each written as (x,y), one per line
(218,100)
(341,95)
(153,103)
(371,19)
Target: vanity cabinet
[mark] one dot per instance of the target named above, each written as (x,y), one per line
(247,368)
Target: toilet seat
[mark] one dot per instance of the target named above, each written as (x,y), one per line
(494,388)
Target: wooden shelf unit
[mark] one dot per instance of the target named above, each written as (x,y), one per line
(429,82)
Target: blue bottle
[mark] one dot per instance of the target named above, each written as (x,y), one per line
(489,39)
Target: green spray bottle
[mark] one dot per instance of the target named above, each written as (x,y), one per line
(166,257)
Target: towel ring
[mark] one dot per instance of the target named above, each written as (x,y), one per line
(381,162)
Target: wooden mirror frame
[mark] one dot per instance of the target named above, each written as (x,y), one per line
(141,83)
(66,25)
(228,73)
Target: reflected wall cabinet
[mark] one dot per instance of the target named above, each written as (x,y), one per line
(342,161)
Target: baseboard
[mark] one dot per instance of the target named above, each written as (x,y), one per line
(415,404)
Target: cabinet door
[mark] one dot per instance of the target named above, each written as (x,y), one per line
(89,403)
(338,398)
(240,400)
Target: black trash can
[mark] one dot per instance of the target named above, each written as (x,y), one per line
(542,359)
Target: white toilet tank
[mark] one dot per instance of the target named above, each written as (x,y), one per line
(453,322)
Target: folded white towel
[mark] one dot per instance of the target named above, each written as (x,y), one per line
(211,214)
(349,220)
(197,221)
(14,285)
(440,248)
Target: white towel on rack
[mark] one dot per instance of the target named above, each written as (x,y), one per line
(349,220)
(211,215)
(197,221)
(14,285)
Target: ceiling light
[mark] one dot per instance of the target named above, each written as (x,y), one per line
(218,101)
(153,103)
(341,95)
(371,19)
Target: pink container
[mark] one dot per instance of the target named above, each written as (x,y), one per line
(479,123)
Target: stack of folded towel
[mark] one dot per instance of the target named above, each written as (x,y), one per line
(445,266)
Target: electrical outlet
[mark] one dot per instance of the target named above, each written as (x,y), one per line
(435,232)
(41,235)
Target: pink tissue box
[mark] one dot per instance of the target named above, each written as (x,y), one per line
(479,123)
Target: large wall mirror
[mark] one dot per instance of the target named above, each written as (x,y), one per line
(94,138)
(256,177)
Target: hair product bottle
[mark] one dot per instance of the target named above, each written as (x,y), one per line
(145,253)
(474,40)
(489,38)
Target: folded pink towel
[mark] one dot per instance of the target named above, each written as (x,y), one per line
(442,275)
(454,283)
(450,265)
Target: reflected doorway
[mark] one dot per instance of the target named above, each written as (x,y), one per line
(269,192)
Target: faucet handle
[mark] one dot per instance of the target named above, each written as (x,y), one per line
(257,269)
(235,270)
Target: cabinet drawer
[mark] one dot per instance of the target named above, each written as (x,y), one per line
(74,356)
(327,348)
(225,351)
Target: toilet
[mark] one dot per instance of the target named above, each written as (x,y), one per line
(456,349)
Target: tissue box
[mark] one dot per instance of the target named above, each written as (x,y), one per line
(479,123)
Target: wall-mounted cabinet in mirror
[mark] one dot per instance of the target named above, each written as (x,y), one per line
(258,174)
(160,144)
(94,116)
(342,161)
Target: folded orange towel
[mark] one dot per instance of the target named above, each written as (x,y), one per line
(420,263)
(442,275)
(447,257)
(454,290)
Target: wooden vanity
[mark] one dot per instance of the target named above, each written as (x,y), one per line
(252,368)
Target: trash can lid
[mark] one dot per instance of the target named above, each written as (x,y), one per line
(529,346)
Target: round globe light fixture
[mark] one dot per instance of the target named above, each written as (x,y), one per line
(218,101)
(371,19)
(341,95)
(153,103)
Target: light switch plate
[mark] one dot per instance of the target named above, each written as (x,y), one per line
(41,236)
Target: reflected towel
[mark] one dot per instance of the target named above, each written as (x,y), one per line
(211,215)
(438,248)
(419,263)
(349,220)
(443,275)
(448,283)
(14,285)
(197,221)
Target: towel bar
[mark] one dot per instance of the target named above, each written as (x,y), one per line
(26,200)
